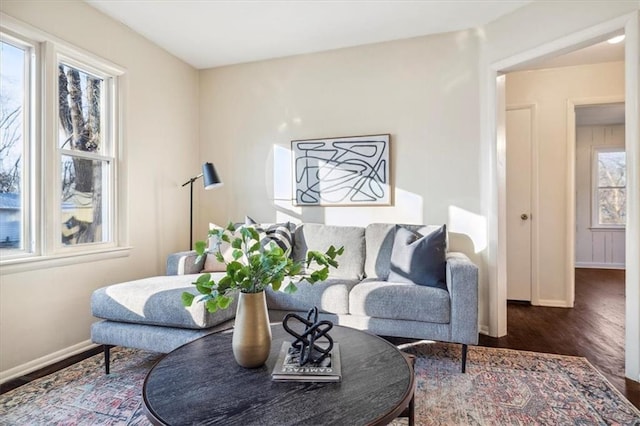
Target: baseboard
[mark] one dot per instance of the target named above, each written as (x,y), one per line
(553,303)
(484,329)
(593,265)
(36,364)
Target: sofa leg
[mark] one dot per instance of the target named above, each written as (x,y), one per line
(464,358)
(107,357)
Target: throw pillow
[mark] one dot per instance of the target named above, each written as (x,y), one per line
(211,264)
(419,259)
(279,233)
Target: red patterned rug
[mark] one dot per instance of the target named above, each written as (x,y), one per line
(501,387)
(508,387)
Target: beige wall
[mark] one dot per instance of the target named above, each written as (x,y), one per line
(423,91)
(549,91)
(45,312)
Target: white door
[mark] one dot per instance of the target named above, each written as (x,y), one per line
(519,151)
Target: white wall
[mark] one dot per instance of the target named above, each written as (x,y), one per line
(595,247)
(45,313)
(549,90)
(423,91)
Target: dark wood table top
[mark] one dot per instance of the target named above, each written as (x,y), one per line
(200,383)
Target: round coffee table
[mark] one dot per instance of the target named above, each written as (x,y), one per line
(200,383)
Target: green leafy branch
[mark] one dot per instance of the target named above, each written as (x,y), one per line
(254,267)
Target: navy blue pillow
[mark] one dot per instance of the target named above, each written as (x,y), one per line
(419,259)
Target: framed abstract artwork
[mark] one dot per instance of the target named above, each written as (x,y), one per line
(343,171)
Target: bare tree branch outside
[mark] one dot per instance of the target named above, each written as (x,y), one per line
(611,191)
(80,119)
(12,88)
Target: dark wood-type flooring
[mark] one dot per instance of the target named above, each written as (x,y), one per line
(594,328)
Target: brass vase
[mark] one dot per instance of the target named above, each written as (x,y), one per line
(251,334)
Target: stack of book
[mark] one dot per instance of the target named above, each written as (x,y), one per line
(287,366)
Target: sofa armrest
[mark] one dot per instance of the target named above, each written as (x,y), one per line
(184,263)
(462,283)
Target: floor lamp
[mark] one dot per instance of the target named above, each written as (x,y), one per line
(210,181)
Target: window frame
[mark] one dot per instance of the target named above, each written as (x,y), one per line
(45,171)
(595,187)
(108,153)
(29,200)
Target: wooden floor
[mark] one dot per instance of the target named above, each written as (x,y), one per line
(594,328)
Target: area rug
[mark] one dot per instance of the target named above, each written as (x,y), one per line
(501,387)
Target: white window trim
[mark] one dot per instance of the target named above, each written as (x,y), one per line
(595,150)
(46,249)
(110,137)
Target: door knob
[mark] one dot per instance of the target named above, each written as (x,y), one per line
(524,216)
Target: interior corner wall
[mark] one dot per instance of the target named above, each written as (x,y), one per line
(46,312)
(423,91)
(549,90)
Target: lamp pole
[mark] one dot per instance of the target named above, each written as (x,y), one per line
(211,180)
(190,183)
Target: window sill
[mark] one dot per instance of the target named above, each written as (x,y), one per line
(24,264)
(607,228)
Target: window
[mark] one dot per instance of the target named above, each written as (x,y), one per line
(59,150)
(86,155)
(16,87)
(609,192)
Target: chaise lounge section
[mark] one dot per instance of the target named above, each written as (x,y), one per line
(368,291)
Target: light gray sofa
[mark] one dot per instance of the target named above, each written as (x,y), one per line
(148,313)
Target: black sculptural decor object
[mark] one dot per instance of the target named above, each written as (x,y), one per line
(305,344)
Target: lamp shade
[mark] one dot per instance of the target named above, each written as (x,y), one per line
(210,176)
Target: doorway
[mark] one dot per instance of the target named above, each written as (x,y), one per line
(631,25)
(540,182)
(600,185)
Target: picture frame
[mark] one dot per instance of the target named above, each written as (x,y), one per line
(342,171)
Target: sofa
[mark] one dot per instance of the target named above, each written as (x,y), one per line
(368,291)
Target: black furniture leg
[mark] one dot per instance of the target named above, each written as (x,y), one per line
(412,409)
(107,357)
(409,412)
(464,358)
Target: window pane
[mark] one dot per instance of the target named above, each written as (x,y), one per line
(611,169)
(84,198)
(13,95)
(612,204)
(80,109)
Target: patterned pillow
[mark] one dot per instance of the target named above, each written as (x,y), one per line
(279,233)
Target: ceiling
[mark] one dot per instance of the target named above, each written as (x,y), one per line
(600,115)
(598,52)
(212,33)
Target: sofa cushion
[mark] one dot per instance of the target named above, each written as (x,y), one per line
(379,239)
(419,259)
(402,301)
(157,301)
(331,296)
(318,237)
